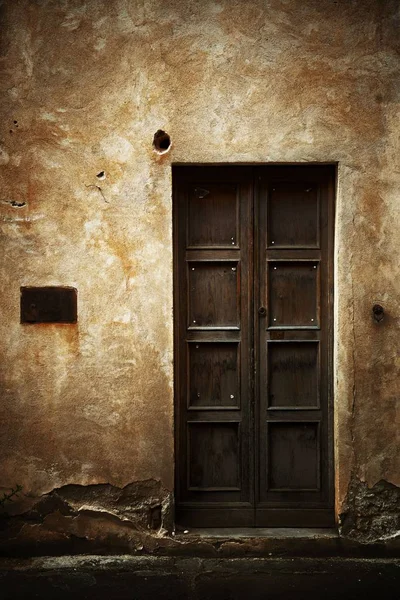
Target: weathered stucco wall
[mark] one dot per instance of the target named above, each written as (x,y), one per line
(85,85)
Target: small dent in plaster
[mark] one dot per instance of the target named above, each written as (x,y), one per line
(161,142)
(101,175)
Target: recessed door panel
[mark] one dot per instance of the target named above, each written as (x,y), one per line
(213,456)
(213,215)
(214,375)
(213,294)
(293,461)
(288,198)
(293,294)
(293,374)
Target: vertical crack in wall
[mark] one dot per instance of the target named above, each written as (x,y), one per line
(354,362)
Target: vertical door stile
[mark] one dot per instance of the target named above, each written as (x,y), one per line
(258,307)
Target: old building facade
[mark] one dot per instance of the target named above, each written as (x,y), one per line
(267,99)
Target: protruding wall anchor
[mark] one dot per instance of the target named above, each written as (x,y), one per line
(378,312)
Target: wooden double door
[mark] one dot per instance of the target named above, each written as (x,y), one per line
(253,345)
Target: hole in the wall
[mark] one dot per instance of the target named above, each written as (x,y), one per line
(15,203)
(101,175)
(161,142)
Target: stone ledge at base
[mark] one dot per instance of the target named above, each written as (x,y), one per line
(205,543)
(176,578)
(279,542)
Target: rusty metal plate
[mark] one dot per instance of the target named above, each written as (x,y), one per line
(48,305)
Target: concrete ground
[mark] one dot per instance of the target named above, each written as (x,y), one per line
(174,578)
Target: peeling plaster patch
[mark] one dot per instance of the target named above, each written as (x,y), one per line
(4,156)
(371,514)
(22,219)
(94,516)
(117,148)
(124,317)
(100,45)
(52,164)
(99,23)
(65,142)
(15,159)
(13,93)
(92,227)
(393,536)
(27,56)
(73,20)
(216,8)
(48,117)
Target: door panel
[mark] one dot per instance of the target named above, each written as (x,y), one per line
(253,345)
(293,374)
(284,231)
(293,288)
(213,316)
(214,375)
(213,456)
(213,215)
(294,461)
(214,294)
(293,456)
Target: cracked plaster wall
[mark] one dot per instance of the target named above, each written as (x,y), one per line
(84,86)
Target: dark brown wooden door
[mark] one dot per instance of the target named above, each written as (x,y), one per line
(253,339)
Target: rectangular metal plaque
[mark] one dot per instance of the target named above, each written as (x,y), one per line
(50,304)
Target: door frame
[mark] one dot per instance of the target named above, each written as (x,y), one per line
(331,192)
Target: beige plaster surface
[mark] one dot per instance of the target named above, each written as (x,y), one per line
(85,84)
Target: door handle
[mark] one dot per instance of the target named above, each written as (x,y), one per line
(262,311)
